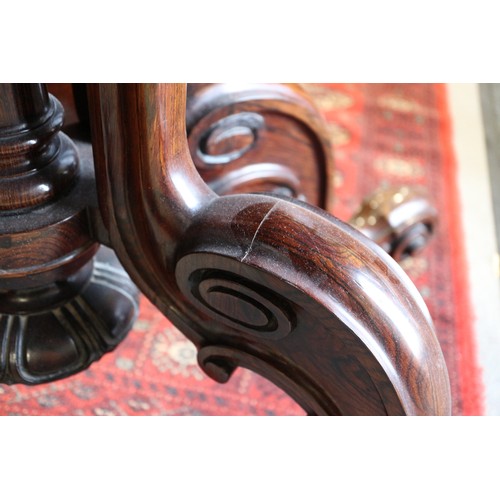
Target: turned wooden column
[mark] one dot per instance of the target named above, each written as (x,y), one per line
(61,307)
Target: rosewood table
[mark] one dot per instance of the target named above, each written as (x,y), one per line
(211,200)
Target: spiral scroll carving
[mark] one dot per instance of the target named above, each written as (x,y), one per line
(269,284)
(230,138)
(239,302)
(259,138)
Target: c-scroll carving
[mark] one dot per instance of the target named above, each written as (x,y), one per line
(259,138)
(259,281)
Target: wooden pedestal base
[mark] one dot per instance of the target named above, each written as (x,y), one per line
(52,332)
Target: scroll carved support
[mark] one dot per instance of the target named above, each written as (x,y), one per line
(259,281)
(63,302)
(251,138)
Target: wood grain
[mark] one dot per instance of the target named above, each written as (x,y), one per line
(60,306)
(263,282)
(248,138)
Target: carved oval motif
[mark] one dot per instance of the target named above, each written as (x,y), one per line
(268,177)
(237,301)
(224,140)
(230,138)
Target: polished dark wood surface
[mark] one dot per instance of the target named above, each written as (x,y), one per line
(249,138)
(246,138)
(265,282)
(258,281)
(59,309)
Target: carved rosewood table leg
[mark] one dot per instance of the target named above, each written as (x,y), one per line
(249,138)
(63,303)
(255,138)
(259,281)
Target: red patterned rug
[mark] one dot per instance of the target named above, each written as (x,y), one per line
(384,134)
